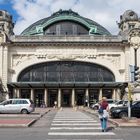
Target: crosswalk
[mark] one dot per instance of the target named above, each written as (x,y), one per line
(70,123)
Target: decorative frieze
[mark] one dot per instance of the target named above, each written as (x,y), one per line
(20,58)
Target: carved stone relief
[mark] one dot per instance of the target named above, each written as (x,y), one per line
(66,54)
(1,38)
(113,58)
(19,58)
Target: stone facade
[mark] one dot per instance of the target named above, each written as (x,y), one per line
(115,53)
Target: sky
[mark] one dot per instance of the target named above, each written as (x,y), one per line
(105,12)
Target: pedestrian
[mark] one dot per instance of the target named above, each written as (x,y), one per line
(103,113)
(55,104)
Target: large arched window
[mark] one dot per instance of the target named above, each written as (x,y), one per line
(66,71)
(66,28)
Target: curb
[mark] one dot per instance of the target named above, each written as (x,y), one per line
(122,125)
(23,125)
(41,115)
(17,125)
(32,122)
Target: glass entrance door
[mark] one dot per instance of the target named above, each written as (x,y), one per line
(25,93)
(53,97)
(66,97)
(80,97)
(39,97)
(93,96)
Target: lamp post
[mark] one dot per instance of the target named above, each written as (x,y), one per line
(135,54)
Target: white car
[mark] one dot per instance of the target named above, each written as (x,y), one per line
(23,106)
(109,101)
(118,104)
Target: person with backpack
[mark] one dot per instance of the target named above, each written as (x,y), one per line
(103,113)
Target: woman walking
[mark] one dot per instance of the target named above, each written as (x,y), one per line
(103,114)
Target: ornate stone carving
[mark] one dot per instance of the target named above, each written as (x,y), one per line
(19,58)
(113,58)
(134,38)
(1,37)
(70,53)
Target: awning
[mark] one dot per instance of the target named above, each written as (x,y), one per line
(67,84)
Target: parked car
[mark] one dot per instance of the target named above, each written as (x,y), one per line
(120,112)
(118,103)
(23,106)
(110,102)
(95,106)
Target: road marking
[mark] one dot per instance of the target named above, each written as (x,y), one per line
(72,121)
(75,124)
(85,139)
(55,119)
(81,133)
(75,128)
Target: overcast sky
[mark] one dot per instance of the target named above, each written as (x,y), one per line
(104,12)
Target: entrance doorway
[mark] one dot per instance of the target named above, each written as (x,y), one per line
(107,93)
(53,97)
(39,97)
(66,97)
(93,96)
(80,96)
(25,93)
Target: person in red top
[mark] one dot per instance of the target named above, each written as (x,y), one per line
(103,115)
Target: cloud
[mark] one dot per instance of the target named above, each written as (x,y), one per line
(104,12)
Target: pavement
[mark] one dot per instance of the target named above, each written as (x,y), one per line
(125,122)
(22,120)
(26,120)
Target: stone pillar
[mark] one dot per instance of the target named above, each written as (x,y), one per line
(100,94)
(59,97)
(18,93)
(15,93)
(1,60)
(73,98)
(118,94)
(32,94)
(114,94)
(87,97)
(46,97)
(5,66)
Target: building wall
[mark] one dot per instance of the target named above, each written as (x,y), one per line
(110,57)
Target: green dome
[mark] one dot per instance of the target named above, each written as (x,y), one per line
(38,28)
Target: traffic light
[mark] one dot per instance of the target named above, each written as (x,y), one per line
(136,73)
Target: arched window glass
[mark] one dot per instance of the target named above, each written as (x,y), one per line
(66,28)
(66,71)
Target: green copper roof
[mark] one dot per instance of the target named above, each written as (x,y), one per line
(38,27)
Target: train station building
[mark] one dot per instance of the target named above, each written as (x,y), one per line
(68,59)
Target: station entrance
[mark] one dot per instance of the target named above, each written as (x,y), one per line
(66,83)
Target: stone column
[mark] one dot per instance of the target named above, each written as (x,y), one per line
(5,66)
(32,94)
(59,97)
(73,98)
(15,93)
(46,97)
(114,97)
(18,93)
(87,97)
(1,60)
(118,94)
(100,94)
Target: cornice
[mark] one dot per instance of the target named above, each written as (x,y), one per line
(31,44)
